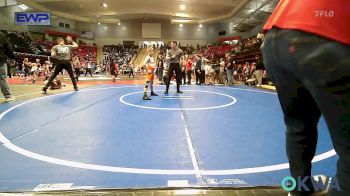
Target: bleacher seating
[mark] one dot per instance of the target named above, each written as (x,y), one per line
(25,47)
(121,54)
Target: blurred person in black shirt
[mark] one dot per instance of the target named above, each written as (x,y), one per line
(259,71)
(11,68)
(6,52)
(198,69)
(160,69)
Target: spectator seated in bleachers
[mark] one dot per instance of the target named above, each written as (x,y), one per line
(120,54)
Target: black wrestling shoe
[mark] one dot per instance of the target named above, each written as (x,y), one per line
(146,98)
(76,89)
(44,91)
(166,92)
(179,92)
(153,94)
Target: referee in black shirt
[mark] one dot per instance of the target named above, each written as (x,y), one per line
(62,54)
(173,58)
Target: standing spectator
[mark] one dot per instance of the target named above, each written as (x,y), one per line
(189,70)
(239,72)
(131,70)
(26,66)
(77,67)
(203,75)
(198,69)
(183,69)
(6,52)
(309,64)
(46,70)
(19,69)
(88,68)
(34,70)
(246,72)
(160,69)
(216,69)
(114,70)
(207,70)
(259,71)
(11,68)
(229,68)
(124,68)
(222,71)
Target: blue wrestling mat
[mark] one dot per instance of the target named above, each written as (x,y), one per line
(108,137)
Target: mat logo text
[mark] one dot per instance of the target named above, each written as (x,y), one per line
(289,183)
(214,181)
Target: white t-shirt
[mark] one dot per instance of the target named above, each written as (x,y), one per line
(207,69)
(149,60)
(34,68)
(89,65)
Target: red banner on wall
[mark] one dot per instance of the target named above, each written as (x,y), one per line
(63,34)
(229,38)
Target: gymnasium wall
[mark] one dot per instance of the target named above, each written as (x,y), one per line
(214,29)
(132,30)
(7,18)
(83,26)
(152,30)
(55,26)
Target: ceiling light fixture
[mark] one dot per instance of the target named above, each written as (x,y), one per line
(252,10)
(119,23)
(200,25)
(181,25)
(23,7)
(98,23)
(182,7)
(182,15)
(104,5)
(181,21)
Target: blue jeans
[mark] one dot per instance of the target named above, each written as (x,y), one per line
(5,89)
(229,76)
(312,77)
